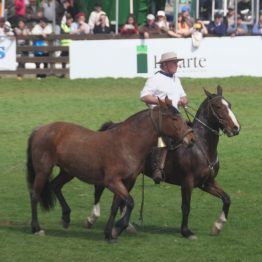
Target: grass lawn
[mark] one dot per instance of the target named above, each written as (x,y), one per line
(27,104)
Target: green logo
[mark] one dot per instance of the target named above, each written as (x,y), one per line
(141,54)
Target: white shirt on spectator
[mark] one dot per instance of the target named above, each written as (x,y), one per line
(39,30)
(161,86)
(94,19)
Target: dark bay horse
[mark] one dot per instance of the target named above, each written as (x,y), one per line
(197,166)
(111,159)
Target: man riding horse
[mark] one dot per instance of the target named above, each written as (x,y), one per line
(163,83)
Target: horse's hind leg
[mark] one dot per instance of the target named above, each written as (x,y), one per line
(95,213)
(214,189)
(57,185)
(40,191)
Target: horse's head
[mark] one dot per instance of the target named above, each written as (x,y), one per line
(171,123)
(222,113)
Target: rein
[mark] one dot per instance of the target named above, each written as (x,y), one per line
(201,122)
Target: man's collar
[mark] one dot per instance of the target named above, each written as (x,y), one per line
(166,74)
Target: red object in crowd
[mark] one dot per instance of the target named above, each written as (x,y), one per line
(20,8)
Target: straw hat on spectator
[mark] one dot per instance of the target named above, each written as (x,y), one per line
(169,56)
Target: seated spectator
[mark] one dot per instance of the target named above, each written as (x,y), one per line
(161,21)
(101,27)
(186,16)
(5,28)
(183,28)
(150,27)
(81,25)
(21,29)
(130,27)
(257,28)
(95,16)
(68,27)
(198,31)
(42,28)
(230,20)
(217,27)
(240,28)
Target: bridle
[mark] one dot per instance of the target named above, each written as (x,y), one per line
(158,125)
(210,107)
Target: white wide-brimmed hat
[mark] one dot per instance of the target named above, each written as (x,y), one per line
(170,56)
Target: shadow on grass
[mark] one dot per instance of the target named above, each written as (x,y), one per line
(78,230)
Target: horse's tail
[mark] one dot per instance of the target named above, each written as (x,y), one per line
(107,125)
(47,197)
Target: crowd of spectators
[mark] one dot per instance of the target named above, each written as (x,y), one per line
(25,17)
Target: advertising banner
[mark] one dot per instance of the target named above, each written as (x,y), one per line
(216,57)
(7,53)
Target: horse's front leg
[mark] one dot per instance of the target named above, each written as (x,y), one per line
(186,192)
(110,223)
(214,189)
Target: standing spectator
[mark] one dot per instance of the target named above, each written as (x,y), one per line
(161,21)
(67,28)
(20,8)
(240,28)
(257,28)
(81,25)
(230,20)
(198,31)
(101,27)
(186,16)
(62,9)
(150,28)
(49,9)
(23,30)
(130,27)
(43,28)
(183,28)
(217,27)
(95,16)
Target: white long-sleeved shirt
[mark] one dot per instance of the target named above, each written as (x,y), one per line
(161,85)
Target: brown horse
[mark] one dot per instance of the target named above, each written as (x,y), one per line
(111,159)
(197,166)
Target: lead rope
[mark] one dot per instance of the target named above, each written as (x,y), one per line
(141,212)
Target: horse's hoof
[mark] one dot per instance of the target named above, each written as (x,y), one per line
(215,230)
(131,229)
(40,233)
(192,237)
(65,224)
(88,224)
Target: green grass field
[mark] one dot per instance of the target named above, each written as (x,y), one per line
(29,103)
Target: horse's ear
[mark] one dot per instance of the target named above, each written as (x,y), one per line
(168,101)
(219,90)
(209,95)
(160,102)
